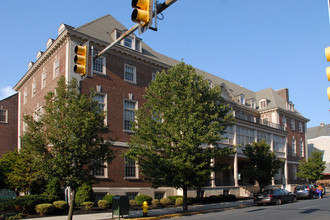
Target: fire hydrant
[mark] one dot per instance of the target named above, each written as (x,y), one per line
(145,208)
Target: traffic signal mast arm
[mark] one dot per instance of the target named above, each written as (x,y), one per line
(160,8)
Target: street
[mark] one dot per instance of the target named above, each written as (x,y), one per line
(302,209)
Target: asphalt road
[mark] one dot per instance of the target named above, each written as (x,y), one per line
(315,209)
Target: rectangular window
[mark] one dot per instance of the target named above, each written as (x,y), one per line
(128,42)
(293,125)
(129,114)
(130,73)
(56,68)
(100,98)
(130,168)
(300,127)
(302,149)
(279,143)
(101,171)
(43,80)
(98,65)
(159,195)
(294,173)
(293,147)
(131,195)
(34,89)
(25,96)
(3,116)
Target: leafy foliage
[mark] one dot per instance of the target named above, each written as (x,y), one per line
(141,198)
(84,194)
(45,209)
(263,164)
(103,204)
(68,136)
(313,168)
(108,198)
(182,116)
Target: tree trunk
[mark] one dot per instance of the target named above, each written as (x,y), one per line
(71,203)
(185,203)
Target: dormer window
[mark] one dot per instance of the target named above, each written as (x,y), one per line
(263,103)
(39,54)
(61,29)
(30,65)
(130,41)
(50,42)
(242,99)
(253,103)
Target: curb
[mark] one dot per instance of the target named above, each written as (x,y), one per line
(190,213)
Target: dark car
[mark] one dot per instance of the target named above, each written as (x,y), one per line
(276,196)
(305,191)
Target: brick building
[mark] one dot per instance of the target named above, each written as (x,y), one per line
(120,76)
(8,124)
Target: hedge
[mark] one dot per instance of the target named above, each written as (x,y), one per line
(141,198)
(45,209)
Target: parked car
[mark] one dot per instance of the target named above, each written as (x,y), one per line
(305,191)
(276,196)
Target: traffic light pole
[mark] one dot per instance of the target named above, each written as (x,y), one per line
(160,8)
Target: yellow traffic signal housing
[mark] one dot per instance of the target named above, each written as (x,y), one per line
(142,13)
(327,55)
(80,59)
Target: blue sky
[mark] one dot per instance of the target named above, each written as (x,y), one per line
(257,43)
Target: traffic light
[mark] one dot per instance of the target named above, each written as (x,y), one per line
(80,59)
(327,55)
(143,12)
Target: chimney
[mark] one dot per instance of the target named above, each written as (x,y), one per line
(284,93)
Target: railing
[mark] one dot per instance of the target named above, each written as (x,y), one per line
(261,122)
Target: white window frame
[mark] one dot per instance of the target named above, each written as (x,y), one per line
(293,145)
(105,108)
(126,66)
(34,87)
(103,72)
(25,95)
(56,71)
(132,169)
(129,109)
(43,79)
(263,103)
(4,114)
(302,153)
(242,99)
(105,171)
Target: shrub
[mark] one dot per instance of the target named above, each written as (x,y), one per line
(88,205)
(165,201)
(141,198)
(132,202)
(179,201)
(53,187)
(26,204)
(173,198)
(84,194)
(61,205)
(103,204)
(44,209)
(155,202)
(108,198)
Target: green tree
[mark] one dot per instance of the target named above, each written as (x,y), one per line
(7,162)
(182,116)
(262,165)
(313,168)
(68,136)
(26,175)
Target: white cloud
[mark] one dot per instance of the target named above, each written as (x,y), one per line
(6,91)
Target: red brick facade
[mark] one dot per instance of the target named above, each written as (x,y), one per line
(8,129)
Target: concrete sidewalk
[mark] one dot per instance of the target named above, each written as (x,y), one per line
(160,213)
